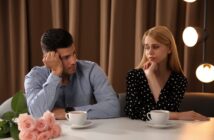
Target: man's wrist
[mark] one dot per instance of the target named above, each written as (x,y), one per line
(69,109)
(57,73)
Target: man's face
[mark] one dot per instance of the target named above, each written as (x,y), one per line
(68,58)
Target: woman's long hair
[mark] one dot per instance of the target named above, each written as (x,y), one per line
(164,36)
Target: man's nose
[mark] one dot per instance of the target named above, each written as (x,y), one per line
(73,60)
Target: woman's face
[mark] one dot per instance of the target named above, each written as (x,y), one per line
(155,51)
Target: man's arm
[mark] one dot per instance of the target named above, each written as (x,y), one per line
(107,105)
(40,92)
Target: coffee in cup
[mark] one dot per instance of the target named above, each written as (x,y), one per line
(158,116)
(76,117)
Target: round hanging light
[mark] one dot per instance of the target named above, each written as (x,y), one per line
(189,0)
(205,73)
(190,36)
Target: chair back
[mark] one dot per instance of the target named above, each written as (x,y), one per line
(5,106)
(200,102)
(122,100)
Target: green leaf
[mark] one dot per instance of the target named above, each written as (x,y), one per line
(9,115)
(14,132)
(19,104)
(8,128)
(4,129)
(2,135)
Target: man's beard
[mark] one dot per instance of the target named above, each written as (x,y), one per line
(69,72)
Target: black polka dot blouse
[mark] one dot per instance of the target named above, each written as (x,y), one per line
(140,100)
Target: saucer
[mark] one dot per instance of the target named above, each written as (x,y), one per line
(87,124)
(166,125)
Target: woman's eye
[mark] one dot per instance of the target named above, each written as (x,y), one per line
(155,46)
(146,47)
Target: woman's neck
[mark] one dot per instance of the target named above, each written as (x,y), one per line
(162,69)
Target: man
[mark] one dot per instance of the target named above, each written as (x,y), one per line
(65,84)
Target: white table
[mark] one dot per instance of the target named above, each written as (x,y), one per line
(127,129)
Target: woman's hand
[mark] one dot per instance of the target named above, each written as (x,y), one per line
(188,115)
(150,67)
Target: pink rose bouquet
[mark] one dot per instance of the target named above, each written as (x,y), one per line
(26,122)
(43,128)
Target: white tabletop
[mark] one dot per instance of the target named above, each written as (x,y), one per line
(127,129)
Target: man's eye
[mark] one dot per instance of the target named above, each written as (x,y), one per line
(65,57)
(74,53)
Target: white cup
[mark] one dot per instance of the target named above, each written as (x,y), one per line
(158,116)
(76,117)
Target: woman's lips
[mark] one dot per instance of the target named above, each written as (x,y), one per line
(151,58)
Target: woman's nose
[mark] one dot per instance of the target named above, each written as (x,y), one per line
(151,51)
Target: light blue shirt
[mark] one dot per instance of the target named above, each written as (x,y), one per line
(44,91)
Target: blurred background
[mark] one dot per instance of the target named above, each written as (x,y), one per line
(108,32)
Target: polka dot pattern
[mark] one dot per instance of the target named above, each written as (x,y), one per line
(140,101)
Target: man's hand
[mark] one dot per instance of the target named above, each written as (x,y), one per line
(53,62)
(59,113)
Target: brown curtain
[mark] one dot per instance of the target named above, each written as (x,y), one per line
(13,46)
(108,32)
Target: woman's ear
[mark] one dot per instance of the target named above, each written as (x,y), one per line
(170,50)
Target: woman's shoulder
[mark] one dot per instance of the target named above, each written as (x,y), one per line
(135,72)
(178,76)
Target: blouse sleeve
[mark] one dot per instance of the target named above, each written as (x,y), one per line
(134,107)
(171,99)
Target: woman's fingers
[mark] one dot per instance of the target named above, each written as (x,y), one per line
(197,116)
(146,65)
(200,117)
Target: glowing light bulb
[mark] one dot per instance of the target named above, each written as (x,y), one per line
(190,1)
(205,73)
(190,36)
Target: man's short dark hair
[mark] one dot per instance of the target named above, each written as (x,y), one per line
(56,38)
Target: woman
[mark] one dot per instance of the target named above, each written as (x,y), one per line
(158,81)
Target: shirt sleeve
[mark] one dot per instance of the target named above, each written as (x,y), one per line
(171,97)
(40,92)
(135,108)
(107,105)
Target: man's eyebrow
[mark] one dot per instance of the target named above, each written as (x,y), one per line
(65,56)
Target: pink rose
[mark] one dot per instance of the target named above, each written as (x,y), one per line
(41,125)
(26,122)
(49,118)
(27,135)
(45,135)
(55,131)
